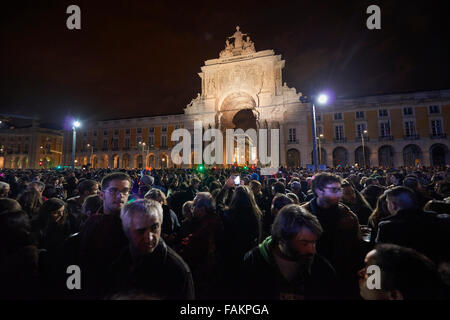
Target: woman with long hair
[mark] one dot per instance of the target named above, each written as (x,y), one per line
(52,225)
(31,202)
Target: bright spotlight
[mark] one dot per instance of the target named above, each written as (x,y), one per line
(322,99)
(76,124)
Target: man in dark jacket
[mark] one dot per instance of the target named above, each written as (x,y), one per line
(285,265)
(410,226)
(341,241)
(149,266)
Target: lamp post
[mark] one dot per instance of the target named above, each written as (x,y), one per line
(75,125)
(320,148)
(321,99)
(146,153)
(92,153)
(363,148)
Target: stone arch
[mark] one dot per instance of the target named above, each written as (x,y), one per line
(151,160)
(138,161)
(163,161)
(340,157)
(386,156)
(105,161)
(412,155)
(126,161)
(362,158)
(439,155)
(237,110)
(2,162)
(116,161)
(293,158)
(321,156)
(24,163)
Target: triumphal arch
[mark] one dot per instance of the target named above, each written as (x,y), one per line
(243,88)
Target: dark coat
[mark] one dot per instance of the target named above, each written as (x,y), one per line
(262,279)
(162,274)
(426,232)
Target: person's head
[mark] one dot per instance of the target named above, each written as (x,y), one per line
(412,183)
(203,204)
(14,229)
(187,209)
(396,179)
(348,192)
(88,187)
(115,190)
(7,204)
(371,181)
(31,202)
(293,197)
(147,181)
(327,188)
(400,198)
(256,187)
(278,202)
(195,182)
(296,186)
(295,232)
(52,211)
(278,187)
(157,195)
(141,221)
(36,185)
(405,274)
(4,189)
(443,189)
(243,201)
(92,205)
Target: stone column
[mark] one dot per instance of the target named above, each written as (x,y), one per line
(282,145)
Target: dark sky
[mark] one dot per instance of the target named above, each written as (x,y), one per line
(137,58)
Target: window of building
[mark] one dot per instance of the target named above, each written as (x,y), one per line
(105,132)
(339,132)
(177,127)
(436,127)
(116,143)
(410,128)
(359,114)
(319,130)
(127,131)
(360,127)
(116,132)
(164,129)
(139,130)
(292,136)
(434,109)
(105,144)
(385,129)
(95,133)
(151,141)
(338,116)
(408,111)
(127,143)
(163,141)
(383,113)
(151,130)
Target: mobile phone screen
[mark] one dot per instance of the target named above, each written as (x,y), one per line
(237,180)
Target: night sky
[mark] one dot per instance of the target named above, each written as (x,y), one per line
(142,59)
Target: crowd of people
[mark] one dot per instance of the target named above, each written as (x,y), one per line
(189,234)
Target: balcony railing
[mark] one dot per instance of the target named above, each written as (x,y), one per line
(438,136)
(340,139)
(385,138)
(292,141)
(411,137)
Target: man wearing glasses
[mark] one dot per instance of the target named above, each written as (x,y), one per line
(341,240)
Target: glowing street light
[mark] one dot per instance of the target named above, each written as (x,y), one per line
(322,99)
(76,124)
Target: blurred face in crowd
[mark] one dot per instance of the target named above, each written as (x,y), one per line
(57,215)
(374,294)
(115,196)
(348,195)
(93,191)
(4,192)
(196,210)
(144,233)
(330,195)
(302,247)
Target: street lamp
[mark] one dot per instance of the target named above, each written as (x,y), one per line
(92,152)
(75,125)
(320,148)
(321,99)
(364,151)
(146,153)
